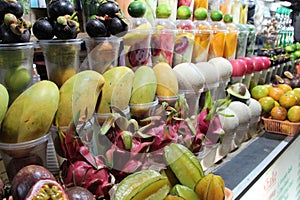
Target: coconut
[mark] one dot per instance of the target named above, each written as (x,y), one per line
(242,111)
(255,107)
(223,66)
(189,78)
(211,74)
(230,121)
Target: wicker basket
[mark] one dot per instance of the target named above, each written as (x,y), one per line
(281,127)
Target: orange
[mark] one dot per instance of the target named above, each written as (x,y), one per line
(288,100)
(217,44)
(285,87)
(293,114)
(259,91)
(276,92)
(267,104)
(297,95)
(230,44)
(201,44)
(278,113)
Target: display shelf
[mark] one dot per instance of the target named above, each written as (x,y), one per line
(241,169)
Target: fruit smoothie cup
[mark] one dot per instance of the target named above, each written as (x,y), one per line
(18,155)
(201,46)
(16,67)
(241,47)
(217,41)
(137,43)
(184,43)
(251,40)
(103,53)
(123,5)
(61,58)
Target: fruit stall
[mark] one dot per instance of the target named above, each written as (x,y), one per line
(149,99)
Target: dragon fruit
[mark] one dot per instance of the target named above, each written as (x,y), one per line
(81,167)
(208,119)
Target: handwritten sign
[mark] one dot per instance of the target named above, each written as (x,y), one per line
(282,180)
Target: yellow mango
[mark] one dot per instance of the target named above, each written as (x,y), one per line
(79,93)
(31,114)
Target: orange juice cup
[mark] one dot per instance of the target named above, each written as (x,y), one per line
(231,40)
(200,4)
(201,46)
(217,44)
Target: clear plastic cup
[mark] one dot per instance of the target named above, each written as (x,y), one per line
(171,100)
(102,117)
(144,110)
(61,58)
(242,44)
(192,98)
(18,155)
(251,40)
(201,46)
(207,155)
(16,67)
(136,43)
(241,134)
(102,52)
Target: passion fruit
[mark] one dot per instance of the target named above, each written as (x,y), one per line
(79,193)
(47,189)
(26,178)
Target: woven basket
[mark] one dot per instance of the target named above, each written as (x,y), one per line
(281,127)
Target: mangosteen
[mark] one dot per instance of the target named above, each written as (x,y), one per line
(96,28)
(58,8)
(65,28)
(15,7)
(118,27)
(42,29)
(79,193)
(26,178)
(109,8)
(239,92)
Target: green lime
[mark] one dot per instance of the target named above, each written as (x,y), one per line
(163,11)
(184,12)
(137,8)
(200,13)
(216,15)
(228,18)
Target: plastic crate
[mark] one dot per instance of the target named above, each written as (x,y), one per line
(281,127)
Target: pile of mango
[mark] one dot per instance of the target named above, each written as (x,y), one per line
(183,179)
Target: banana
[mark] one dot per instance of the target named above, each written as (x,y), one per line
(79,93)
(184,192)
(184,164)
(211,187)
(145,184)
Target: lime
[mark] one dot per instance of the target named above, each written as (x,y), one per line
(267,104)
(200,13)
(184,12)
(228,18)
(163,11)
(216,15)
(17,79)
(137,8)
(259,91)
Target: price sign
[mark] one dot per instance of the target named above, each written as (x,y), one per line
(282,180)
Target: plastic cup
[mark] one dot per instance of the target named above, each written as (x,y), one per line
(192,97)
(241,134)
(201,45)
(171,100)
(162,45)
(251,40)
(144,110)
(102,117)
(207,155)
(241,48)
(136,43)
(254,126)
(103,53)
(61,58)
(16,71)
(18,155)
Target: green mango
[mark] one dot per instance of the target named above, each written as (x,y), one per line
(116,90)
(79,94)
(4,98)
(31,114)
(144,86)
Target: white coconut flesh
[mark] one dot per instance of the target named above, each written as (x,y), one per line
(223,66)
(229,120)
(255,107)
(210,73)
